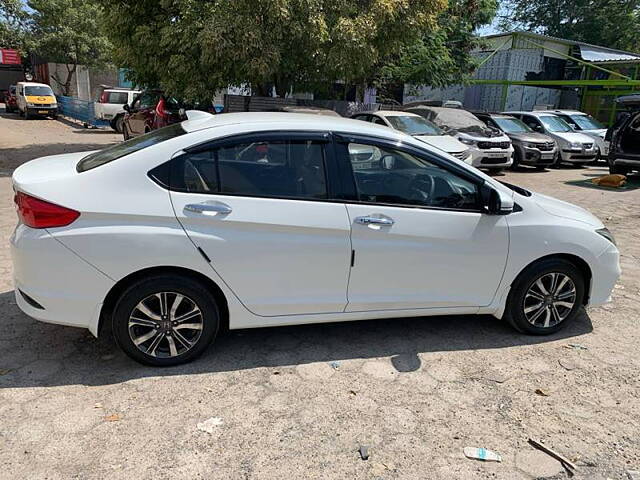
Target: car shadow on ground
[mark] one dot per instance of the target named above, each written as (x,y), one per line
(37,354)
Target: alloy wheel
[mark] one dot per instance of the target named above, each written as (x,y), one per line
(549,300)
(165,325)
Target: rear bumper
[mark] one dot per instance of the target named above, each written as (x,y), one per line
(605,274)
(69,290)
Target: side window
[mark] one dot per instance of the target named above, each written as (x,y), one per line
(117,97)
(364,118)
(378,121)
(390,176)
(148,99)
(285,169)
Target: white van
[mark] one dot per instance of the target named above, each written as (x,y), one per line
(110,103)
(36,99)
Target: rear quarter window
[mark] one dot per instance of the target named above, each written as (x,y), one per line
(109,154)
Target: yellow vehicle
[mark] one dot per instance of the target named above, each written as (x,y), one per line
(36,99)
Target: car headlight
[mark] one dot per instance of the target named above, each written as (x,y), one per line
(53,105)
(531,145)
(29,104)
(467,141)
(575,145)
(606,234)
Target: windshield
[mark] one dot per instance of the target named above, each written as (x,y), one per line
(511,125)
(455,119)
(114,152)
(37,90)
(414,125)
(586,122)
(554,124)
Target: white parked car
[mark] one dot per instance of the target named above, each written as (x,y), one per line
(262,219)
(585,123)
(110,105)
(576,148)
(418,127)
(490,148)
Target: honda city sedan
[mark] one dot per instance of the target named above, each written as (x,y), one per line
(264,219)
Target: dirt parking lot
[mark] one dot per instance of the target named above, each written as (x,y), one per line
(298,402)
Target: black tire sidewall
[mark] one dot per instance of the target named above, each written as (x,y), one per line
(144,288)
(515,313)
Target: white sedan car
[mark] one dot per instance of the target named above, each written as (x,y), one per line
(263,219)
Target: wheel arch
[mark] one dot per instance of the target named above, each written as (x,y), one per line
(122,284)
(578,262)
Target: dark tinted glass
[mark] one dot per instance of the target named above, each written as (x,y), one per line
(286,169)
(117,97)
(120,150)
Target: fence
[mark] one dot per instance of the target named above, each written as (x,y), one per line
(81,110)
(240,103)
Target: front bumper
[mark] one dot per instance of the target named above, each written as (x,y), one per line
(491,157)
(42,110)
(605,274)
(68,290)
(535,156)
(575,155)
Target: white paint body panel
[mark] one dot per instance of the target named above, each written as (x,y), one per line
(293,256)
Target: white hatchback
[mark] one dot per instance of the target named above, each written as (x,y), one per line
(264,219)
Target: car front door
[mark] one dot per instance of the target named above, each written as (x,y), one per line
(259,208)
(419,236)
(141,115)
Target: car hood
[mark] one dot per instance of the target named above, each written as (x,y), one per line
(480,138)
(558,208)
(530,137)
(572,137)
(443,142)
(600,132)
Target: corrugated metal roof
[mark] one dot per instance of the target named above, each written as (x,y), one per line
(588,52)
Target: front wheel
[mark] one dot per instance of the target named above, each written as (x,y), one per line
(165,320)
(545,297)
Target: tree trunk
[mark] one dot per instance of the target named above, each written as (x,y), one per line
(66,84)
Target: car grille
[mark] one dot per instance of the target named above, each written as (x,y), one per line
(545,147)
(486,145)
(41,105)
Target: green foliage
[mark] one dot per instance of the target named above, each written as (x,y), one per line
(610,23)
(192,47)
(12,25)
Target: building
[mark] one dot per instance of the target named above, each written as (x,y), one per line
(525,70)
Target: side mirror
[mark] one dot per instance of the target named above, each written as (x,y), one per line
(388,162)
(126,107)
(182,113)
(495,202)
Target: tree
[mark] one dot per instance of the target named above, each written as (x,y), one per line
(69,32)
(192,48)
(13,19)
(610,23)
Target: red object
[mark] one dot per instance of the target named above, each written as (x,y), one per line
(36,213)
(9,57)
(103,97)
(160,109)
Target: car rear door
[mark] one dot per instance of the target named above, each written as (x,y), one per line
(419,236)
(258,206)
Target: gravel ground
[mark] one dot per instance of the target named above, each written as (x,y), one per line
(298,402)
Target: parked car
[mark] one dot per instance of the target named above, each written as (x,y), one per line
(575,148)
(418,127)
(530,148)
(624,151)
(10,100)
(490,148)
(151,110)
(262,219)
(36,99)
(109,105)
(305,109)
(585,123)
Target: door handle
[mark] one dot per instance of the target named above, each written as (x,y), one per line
(371,220)
(208,207)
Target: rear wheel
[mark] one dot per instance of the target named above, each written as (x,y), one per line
(545,297)
(165,320)
(117,124)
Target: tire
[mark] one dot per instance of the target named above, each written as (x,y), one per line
(117,123)
(521,297)
(26,115)
(495,171)
(165,345)
(540,168)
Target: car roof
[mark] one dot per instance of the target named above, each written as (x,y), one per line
(536,113)
(293,121)
(564,112)
(392,113)
(33,84)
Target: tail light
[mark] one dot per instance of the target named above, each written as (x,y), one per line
(36,213)
(104,97)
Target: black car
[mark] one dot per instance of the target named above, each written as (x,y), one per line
(624,137)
